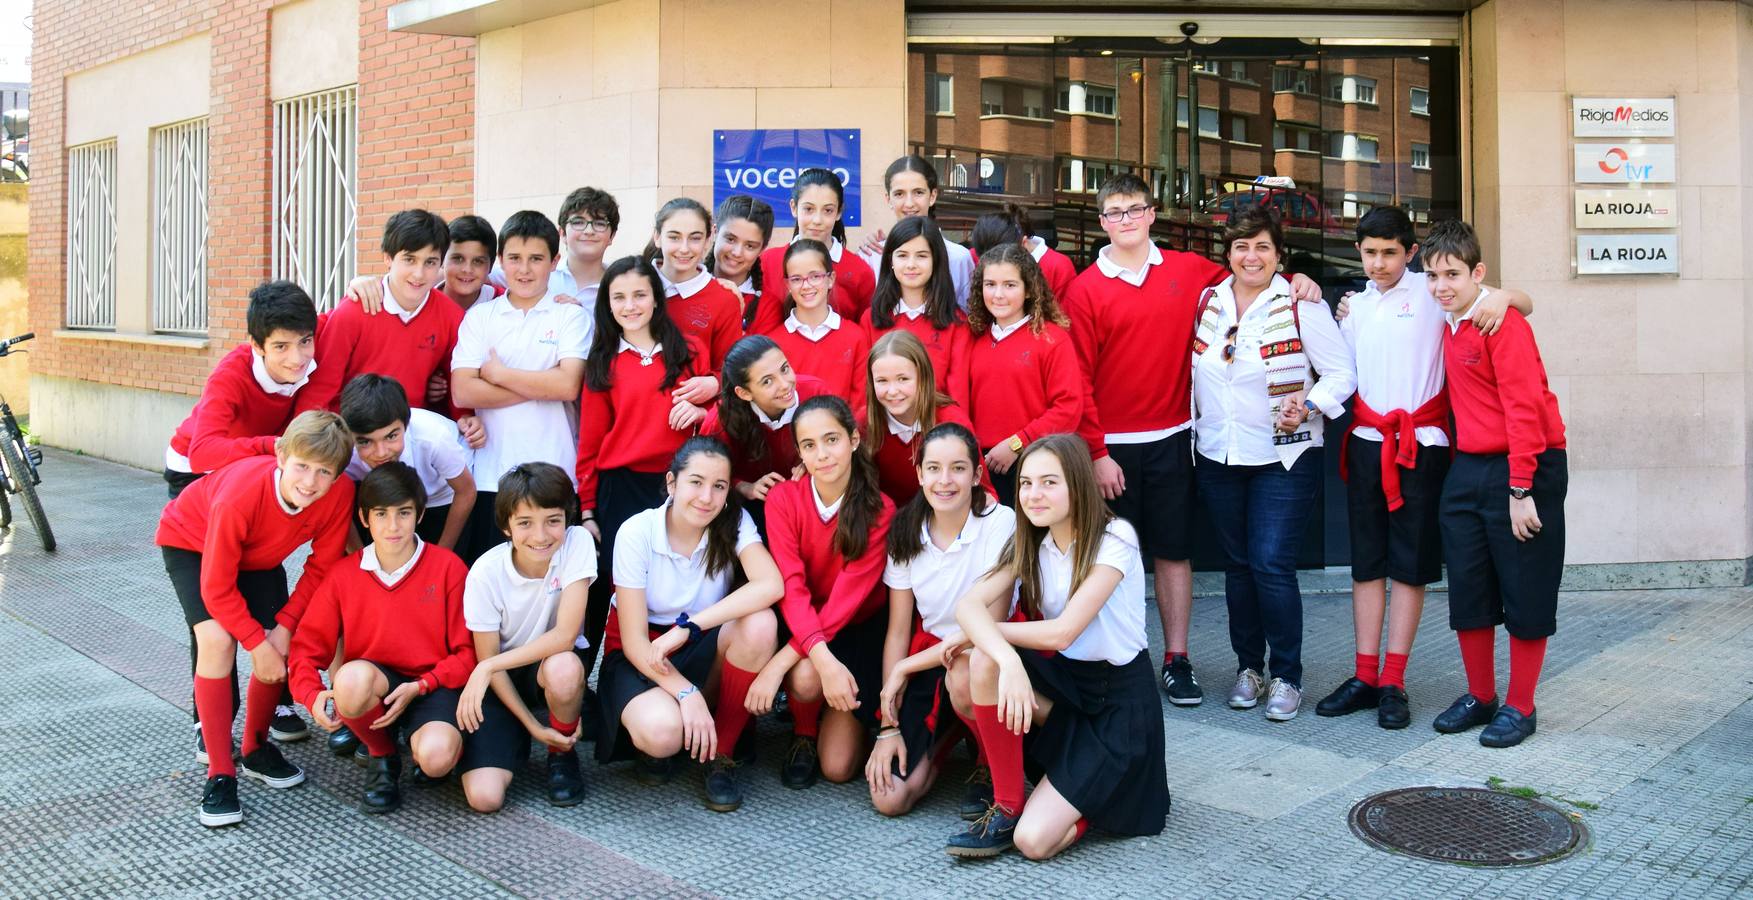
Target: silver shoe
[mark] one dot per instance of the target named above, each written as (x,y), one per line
(1246,693)
(1283,701)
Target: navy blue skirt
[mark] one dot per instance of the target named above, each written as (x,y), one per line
(1102,745)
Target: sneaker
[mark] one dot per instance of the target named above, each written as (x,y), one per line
(1246,693)
(1178,681)
(383,789)
(219,804)
(1465,713)
(653,772)
(267,765)
(565,782)
(1393,712)
(287,726)
(343,742)
(1283,701)
(800,769)
(201,746)
(977,797)
(1348,698)
(722,792)
(984,837)
(1508,728)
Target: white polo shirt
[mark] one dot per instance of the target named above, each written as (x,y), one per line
(938,578)
(535,340)
(498,598)
(673,583)
(1396,338)
(1116,635)
(432,447)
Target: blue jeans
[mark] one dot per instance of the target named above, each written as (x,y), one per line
(1259,512)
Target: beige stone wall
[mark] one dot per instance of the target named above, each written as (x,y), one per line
(14,305)
(1650,371)
(625,96)
(313,45)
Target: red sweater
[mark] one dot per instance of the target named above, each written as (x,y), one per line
(235,418)
(896,470)
(854,282)
(781,444)
(413,628)
(948,349)
(1136,345)
(234,519)
(824,591)
(1029,385)
(713,316)
(838,360)
(352,343)
(1497,387)
(628,425)
(1059,271)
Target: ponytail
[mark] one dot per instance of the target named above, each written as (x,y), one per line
(734,413)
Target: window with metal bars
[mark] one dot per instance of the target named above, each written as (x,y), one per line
(179,228)
(91,235)
(316,177)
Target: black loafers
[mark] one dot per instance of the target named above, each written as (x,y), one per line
(1392,710)
(1508,728)
(1465,713)
(1348,698)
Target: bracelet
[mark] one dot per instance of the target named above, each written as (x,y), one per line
(887,733)
(685,692)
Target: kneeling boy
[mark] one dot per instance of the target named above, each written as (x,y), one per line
(385,429)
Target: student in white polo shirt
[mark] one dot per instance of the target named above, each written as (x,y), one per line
(942,541)
(524,602)
(385,428)
(677,629)
(519,363)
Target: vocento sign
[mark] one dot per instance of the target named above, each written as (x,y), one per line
(1622,117)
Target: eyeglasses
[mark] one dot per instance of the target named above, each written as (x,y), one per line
(813,279)
(579,223)
(1116,216)
(1229,346)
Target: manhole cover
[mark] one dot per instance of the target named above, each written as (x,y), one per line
(1467,826)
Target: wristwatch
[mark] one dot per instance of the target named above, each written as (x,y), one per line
(1015,444)
(1520,493)
(693,630)
(1310,410)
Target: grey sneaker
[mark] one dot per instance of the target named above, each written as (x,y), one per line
(1283,701)
(1246,693)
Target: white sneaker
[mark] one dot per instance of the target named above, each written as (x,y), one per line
(1283,702)
(1246,693)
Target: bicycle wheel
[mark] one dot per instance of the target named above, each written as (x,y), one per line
(19,474)
(5,505)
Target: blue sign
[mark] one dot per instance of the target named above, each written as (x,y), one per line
(764,163)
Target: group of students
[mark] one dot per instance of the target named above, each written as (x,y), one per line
(902,494)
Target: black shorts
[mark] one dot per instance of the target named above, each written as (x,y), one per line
(619,681)
(176,481)
(264,591)
(1495,579)
(1406,544)
(1158,499)
(480,533)
(438,705)
(502,742)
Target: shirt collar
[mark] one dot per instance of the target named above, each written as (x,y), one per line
(368,561)
(395,306)
(747,287)
(1000,332)
(687,288)
(905,432)
(911,312)
(1113,269)
(266,382)
(1371,288)
(825,510)
(1037,247)
(963,537)
(542,305)
(644,357)
(662,538)
(813,332)
(1454,323)
(280,498)
(784,417)
(834,247)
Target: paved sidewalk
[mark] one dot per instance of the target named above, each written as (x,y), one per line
(1644,715)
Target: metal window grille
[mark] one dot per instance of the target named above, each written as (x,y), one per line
(179,227)
(316,140)
(91,235)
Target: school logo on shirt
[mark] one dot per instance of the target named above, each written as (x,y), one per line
(430,594)
(429,342)
(1405,310)
(548,337)
(1469,356)
(1026,359)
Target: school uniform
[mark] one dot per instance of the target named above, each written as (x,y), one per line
(674,585)
(836,352)
(405,345)
(241,413)
(1102,746)
(778,450)
(499,598)
(947,348)
(958,259)
(897,450)
(1131,329)
(535,339)
(1056,267)
(749,294)
(1396,452)
(433,448)
(488,291)
(854,283)
(1025,385)
(561,282)
(938,578)
(707,312)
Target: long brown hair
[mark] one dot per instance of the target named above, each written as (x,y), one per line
(734,413)
(926,400)
(1089,519)
(904,529)
(863,503)
(721,535)
(1038,301)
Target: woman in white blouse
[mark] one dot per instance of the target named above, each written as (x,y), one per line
(1267,372)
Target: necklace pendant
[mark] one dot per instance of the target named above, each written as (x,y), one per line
(645,360)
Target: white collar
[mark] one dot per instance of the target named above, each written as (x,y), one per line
(963,537)
(285,507)
(1226,295)
(784,417)
(644,357)
(505,306)
(813,332)
(911,312)
(905,432)
(1114,270)
(663,534)
(1000,332)
(369,562)
(267,383)
(482,296)
(1373,288)
(1037,247)
(834,247)
(1454,323)
(687,288)
(747,287)
(393,305)
(825,510)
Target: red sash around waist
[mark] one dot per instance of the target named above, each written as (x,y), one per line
(1399,430)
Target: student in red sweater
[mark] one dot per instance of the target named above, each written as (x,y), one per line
(900,407)
(706,311)
(817,339)
(760,394)
(817,201)
(1013,227)
(399,601)
(915,294)
(745,227)
(1027,382)
(1502,509)
(224,541)
(910,189)
(828,531)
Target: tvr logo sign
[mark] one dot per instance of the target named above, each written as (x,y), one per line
(1624,163)
(1616,161)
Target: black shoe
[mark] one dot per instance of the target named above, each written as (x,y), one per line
(565,782)
(1183,689)
(782,707)
(383,788)
(420,779)
(361,756)
(977,797)
(800,768)
(744,752)
(342,742)
(1392,712)
(986,836)
(287,727)
(266,765)
(653,772)
(722,792)
(219,804)
(1348,698)
(1465,713)
(1508,728)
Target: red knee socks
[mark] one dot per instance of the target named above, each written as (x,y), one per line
(213,707)
(729,715)
(1479,659)
(377,741)
(1004,751)
(1526,658)
(1366,668)
(806,717)
(258,711)
(1082,826)
(1394,671)
(562,727)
